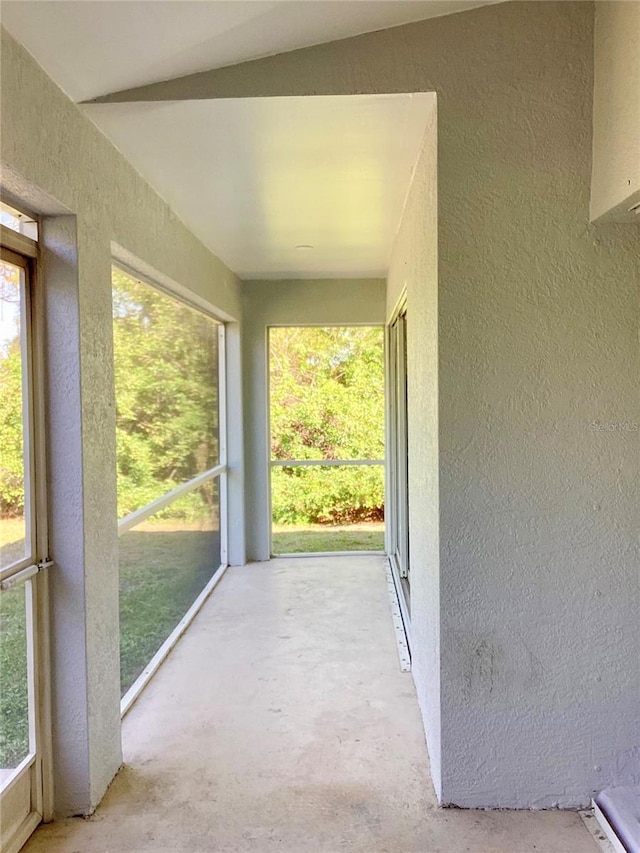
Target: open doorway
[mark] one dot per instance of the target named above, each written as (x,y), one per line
(326,412)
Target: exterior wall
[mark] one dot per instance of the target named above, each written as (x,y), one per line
(56,163)
(616,110)
(287,303)
(538,364)
(414,268)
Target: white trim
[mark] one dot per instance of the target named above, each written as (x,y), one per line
(147,511)
(191,300)
(298,463)
(36,769)
(404,610)
(23,575)
(16,568)
(597,831)
(398,622)
(15,776)
(343,325)
(222,446)
(267,449)
(17,242)
(396,505)
(43,773)
(9,581)
(31,626)
(154,664)
(609,831)
(22,834)
(388,534)
(399,308)
(28,415)
(330,554)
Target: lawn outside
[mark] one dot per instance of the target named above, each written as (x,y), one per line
(12,542)
(14,691)
(320,538)
(164,565)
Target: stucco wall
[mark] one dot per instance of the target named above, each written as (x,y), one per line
(57,163)
(287,303)
(414,268)
(616,111)
(537,349)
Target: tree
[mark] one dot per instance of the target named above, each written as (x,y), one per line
(327,402)
(11,424)
(166,382)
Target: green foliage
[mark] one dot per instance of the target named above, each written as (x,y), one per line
(161,574)
(166,367)
(321,538)
(11,464)
(11,429)
(14,691)
(327,495)
(327,402)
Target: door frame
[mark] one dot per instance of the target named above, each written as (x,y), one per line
(397,482)
(33,778)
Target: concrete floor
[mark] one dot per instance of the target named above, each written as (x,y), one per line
(282,724)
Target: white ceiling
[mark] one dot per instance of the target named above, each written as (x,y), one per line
(252,178)
(95,47)
(256,177)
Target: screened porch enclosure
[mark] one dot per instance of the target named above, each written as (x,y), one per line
(326,420)
(169,363)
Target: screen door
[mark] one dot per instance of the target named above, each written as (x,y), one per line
(22,560)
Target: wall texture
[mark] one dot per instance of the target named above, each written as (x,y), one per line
(414,268)
(616,109)
(538,386)
(287,303)
(538,378)
(58,164)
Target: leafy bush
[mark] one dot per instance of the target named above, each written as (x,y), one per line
(327,402)
(330,495)
(166,364)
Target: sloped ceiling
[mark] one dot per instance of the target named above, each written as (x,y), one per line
(276,187)
(94,47)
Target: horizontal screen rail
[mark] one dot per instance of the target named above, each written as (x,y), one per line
(9,580)
(293,463)
(147,511)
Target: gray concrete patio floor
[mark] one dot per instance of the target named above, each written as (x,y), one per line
(281,723)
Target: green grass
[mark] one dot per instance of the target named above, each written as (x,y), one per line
(164,564)
(14,692)
(318,538)
(12,532)
(163,567)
